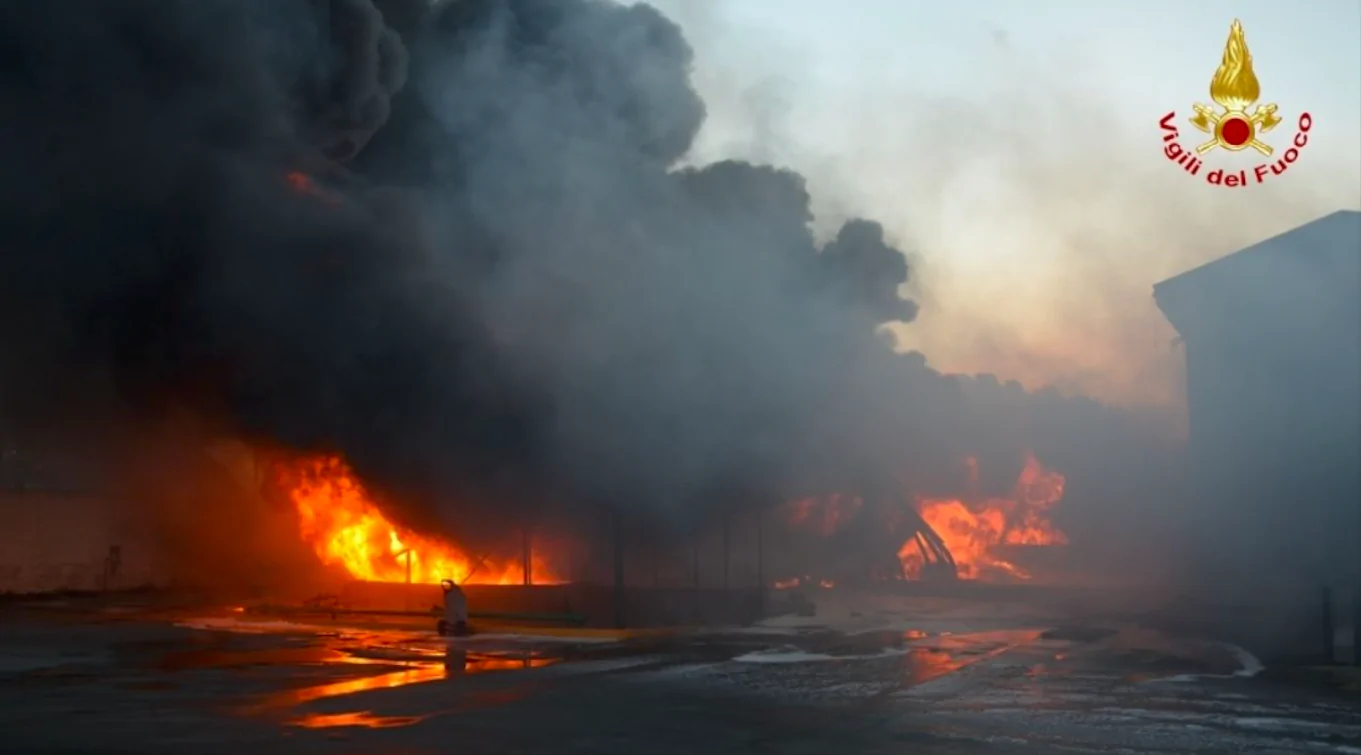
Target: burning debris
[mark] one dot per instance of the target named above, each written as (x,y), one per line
(971,528)
(935,538)
(345,528)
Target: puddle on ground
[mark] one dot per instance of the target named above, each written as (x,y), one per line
(925,665)
(362,719)
(452,663)
(416,660)
(210,658)
(924,657)
(303,695)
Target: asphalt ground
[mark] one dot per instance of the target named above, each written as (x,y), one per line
(866,675)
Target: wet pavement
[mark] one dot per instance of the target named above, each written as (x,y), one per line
(916,676)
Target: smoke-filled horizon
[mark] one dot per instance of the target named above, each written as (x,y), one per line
(1014,153)
(504,282)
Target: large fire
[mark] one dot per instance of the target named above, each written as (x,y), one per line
(972,529)
(340,521)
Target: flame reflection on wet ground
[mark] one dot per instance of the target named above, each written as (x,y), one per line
(217,658)
(385,660)
(925,665)
(405,677)
(454,663)
(930,657)
(363,719)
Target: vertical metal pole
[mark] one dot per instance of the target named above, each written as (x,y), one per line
(694,560)
(694,574)
(760,568)
(620,620)
(1356,588)
(526,549)
(760,554)
(656,569)
(727,552)
(1329,632)
(406,599)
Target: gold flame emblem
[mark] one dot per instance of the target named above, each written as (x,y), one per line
(1235,89)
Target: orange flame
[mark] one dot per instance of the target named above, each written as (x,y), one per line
(345,528)
(971,530)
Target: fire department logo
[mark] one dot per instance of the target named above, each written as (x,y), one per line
(1235,122)
(1235,88)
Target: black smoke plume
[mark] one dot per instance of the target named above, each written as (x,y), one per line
(448,241)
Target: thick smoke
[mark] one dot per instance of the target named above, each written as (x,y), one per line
(1017,166)
(1039,221)
(347,89)
(493,282)
(157,257)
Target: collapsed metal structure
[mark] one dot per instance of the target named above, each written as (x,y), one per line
(937,562)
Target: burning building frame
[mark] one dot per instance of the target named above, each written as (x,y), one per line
(457,300)
(834,536)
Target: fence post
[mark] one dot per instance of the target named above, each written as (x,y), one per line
(620,620)
(526,549)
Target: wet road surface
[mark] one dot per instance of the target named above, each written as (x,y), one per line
(921,680)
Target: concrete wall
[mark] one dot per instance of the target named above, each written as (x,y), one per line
(1274,442)
(59,541)
(1273,361)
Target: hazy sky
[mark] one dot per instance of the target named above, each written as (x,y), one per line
(1013,150)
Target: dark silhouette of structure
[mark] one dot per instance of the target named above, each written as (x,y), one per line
(1272,338)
